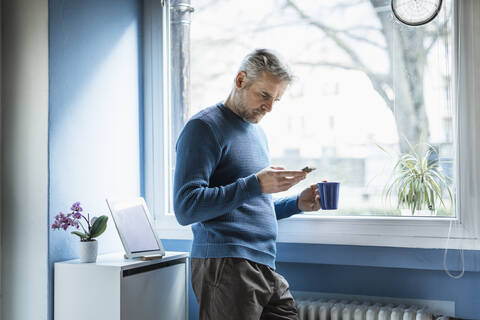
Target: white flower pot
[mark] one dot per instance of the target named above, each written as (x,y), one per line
(87,251)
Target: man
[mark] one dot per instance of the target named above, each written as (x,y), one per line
(223,185)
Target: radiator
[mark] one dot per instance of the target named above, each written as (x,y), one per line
(312,308)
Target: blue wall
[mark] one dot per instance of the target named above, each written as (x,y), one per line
(95,113)
(374,271)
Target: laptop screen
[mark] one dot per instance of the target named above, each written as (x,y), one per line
(133,224)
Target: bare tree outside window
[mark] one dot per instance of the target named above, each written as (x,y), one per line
(364,80)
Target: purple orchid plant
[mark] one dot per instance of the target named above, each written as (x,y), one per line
(95,227)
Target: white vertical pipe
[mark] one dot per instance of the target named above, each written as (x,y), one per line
(385,313)
(336,312)
(312,311)
(409,314)
(347,312)
(360,312)
(372,312)
(397,314)
(423,315)
(301,308)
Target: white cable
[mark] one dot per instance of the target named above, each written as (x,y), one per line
(445,268)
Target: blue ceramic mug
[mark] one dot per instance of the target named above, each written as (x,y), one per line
(328,192)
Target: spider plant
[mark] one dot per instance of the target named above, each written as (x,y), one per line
(418,182)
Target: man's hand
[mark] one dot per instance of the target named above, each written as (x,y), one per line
(277,179)
(309,200)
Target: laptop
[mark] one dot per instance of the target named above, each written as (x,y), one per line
(135,228)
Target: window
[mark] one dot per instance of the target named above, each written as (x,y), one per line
(367,87)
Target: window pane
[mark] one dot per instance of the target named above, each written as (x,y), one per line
(368,90)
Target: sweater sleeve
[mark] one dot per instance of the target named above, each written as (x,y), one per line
(286,207)
(198,153)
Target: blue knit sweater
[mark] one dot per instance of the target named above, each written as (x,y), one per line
(216,189)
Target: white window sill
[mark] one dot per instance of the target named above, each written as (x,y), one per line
(406,232)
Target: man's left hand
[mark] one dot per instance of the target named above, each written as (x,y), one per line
(309,200)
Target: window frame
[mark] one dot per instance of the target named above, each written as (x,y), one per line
(156,64)
(413,232)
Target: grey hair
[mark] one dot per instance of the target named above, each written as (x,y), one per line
(265,60)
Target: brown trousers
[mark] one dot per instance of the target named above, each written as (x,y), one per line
(235,288)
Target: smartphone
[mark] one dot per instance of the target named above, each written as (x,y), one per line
(308,169)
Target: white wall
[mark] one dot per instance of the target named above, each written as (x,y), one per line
(24,159)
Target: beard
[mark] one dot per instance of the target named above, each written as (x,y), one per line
(252,116)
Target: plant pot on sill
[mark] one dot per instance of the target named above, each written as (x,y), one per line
(87,251)
(418,213)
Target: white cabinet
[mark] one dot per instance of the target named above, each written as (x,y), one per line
(115,288)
